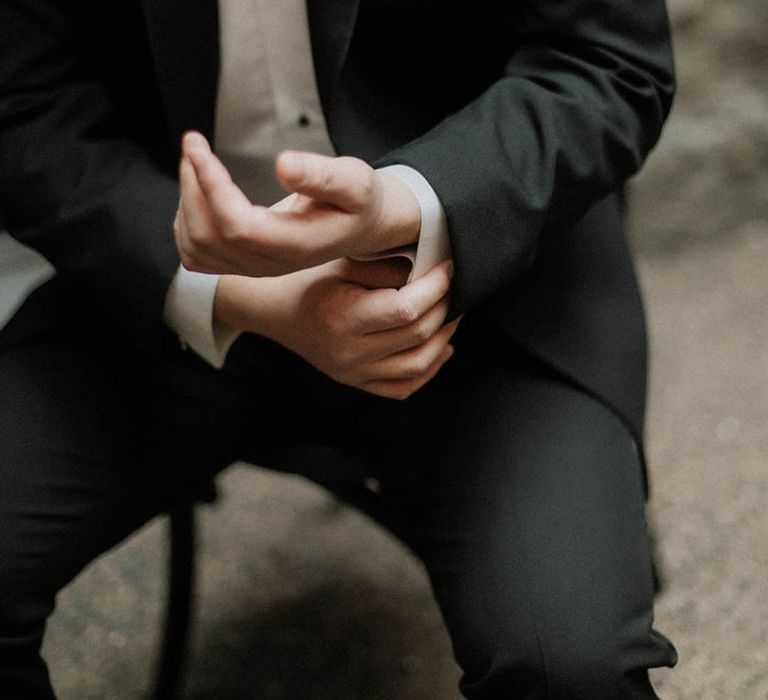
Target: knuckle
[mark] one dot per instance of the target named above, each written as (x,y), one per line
(233,230)
(209,177)
(388,392)
(326,177)
(363,179)
(352,164)
(366,183)
(198,238)
(405,312)
(417,366)
(190,261)
(395,390)
(421,332)
(402,393)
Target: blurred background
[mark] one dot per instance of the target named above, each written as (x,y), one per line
(301,598)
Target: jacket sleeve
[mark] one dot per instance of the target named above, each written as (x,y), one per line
(581,102)
(77,182)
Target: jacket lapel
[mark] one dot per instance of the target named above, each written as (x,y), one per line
(331,24)
(185,42)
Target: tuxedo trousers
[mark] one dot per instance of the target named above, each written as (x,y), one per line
(522,495)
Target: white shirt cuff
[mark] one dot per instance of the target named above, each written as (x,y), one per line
(189,311)
(433,245)
(189,301)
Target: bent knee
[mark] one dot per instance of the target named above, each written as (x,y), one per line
(582,669)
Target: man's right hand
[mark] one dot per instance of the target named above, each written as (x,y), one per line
(339,207)
(353,321)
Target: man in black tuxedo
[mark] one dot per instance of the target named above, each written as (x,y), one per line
(515,470)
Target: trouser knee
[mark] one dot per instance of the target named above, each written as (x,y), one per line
(579,669)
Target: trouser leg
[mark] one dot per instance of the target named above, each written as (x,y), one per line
(82,464)
(94,442)
(522,495)
(524,499)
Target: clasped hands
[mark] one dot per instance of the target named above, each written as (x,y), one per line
(287,271)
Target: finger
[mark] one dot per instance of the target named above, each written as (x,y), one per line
(195,231)
(347,183)
(384,309)
(193,200)
(229,206)
(412,363)
(386,273)
(403,388)
(195,226)
(180,226)
(180,236)
(187,211)
(385,343)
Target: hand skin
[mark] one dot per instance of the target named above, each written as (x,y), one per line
(349,320)
(286,274)
(340,207)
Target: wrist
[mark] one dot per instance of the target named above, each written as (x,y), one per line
(225,303)
(268,306)
(245,304)
(400,213)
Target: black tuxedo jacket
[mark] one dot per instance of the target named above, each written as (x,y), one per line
(526,116)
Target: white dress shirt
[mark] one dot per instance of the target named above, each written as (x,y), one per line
(22,270)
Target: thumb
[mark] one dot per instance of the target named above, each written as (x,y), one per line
(344,182)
